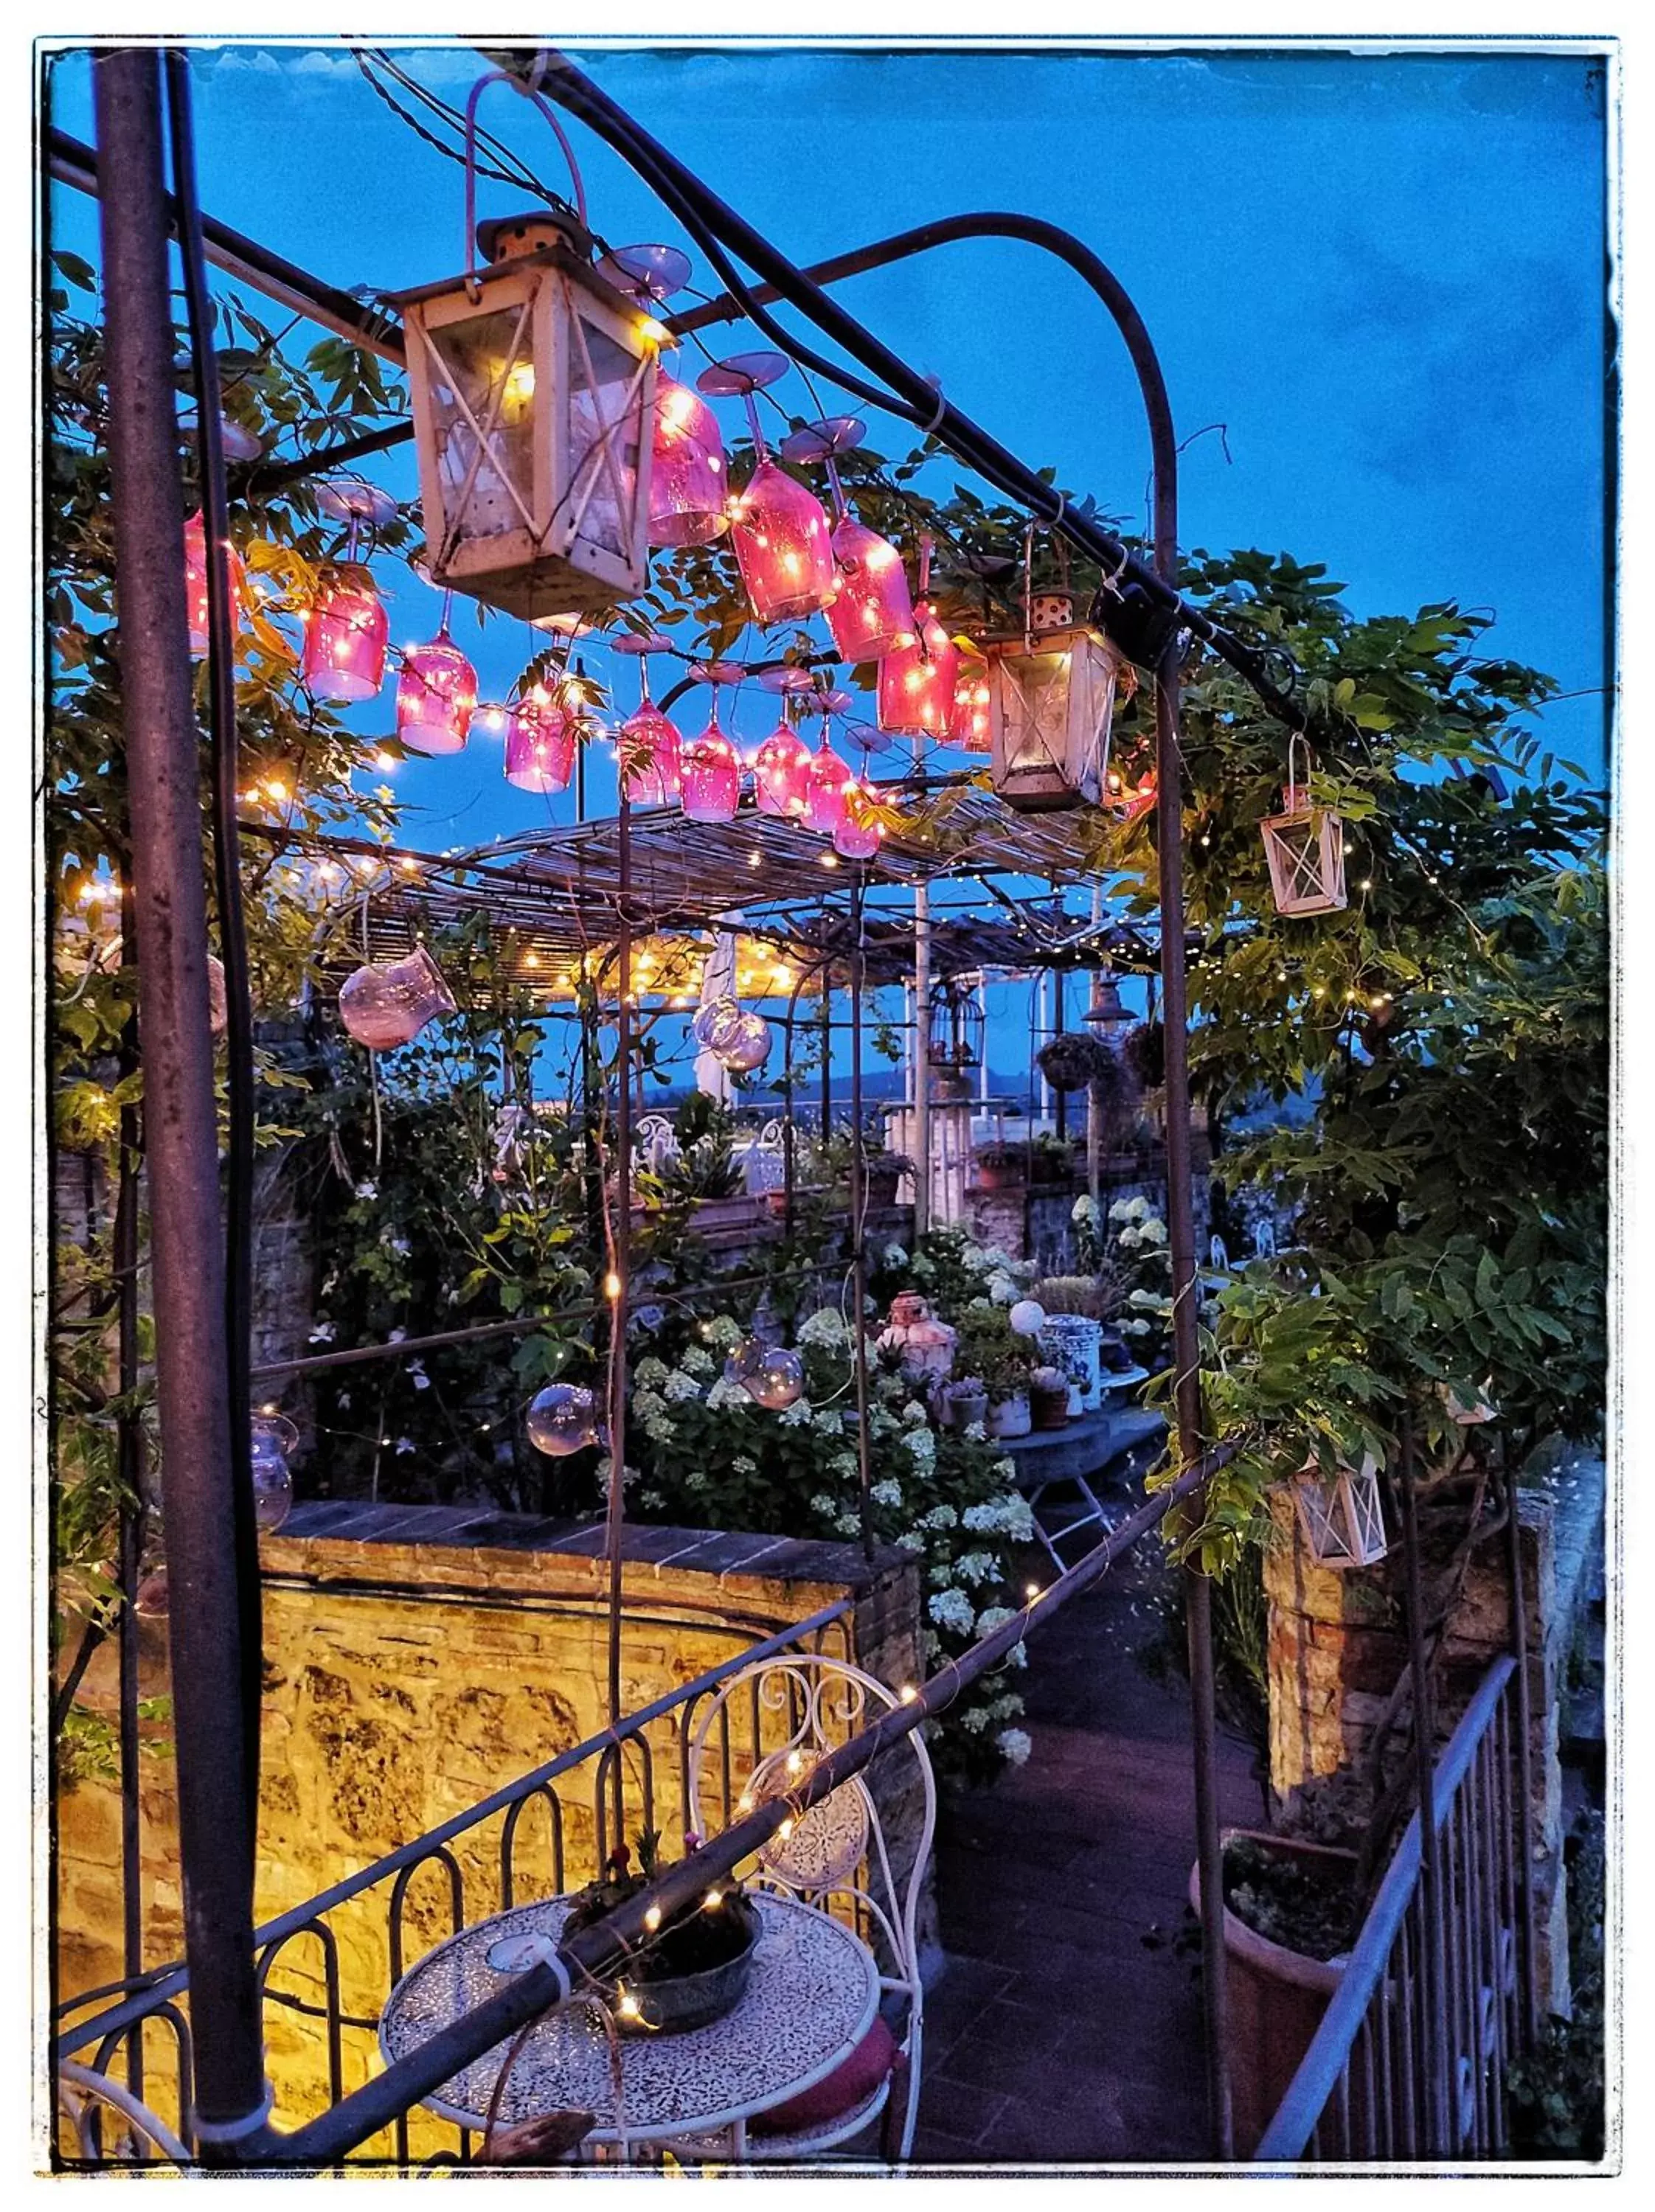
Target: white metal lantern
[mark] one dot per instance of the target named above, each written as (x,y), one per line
(1305,847)
(1340,1514)
(533,382)
(1051,704)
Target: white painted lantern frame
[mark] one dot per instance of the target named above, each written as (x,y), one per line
(534,384)
(1305,845)
(1340,1516)
(1051,709)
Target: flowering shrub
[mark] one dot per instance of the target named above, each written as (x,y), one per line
(708,1456)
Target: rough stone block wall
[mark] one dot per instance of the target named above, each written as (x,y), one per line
(417,1659)
(1338,1645)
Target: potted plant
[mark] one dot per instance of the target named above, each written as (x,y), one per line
(1051,1157)
(1049,1398)
(1290,1913)
(989,1347)
(1000,1167)
(695,1966)
(1071,1336)
(962,1401)
(882,1171)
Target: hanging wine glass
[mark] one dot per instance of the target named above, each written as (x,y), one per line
(709,766)
(871,614)
(195,581)
(649,742)
(827,776)
(688,485)
(540,739)
(916,682)
(347,629)
(436,694)
(780,763)
(780,529)
(858,833)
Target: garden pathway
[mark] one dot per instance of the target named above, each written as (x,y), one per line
(1057,2034)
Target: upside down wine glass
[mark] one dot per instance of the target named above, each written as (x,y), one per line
(709,767)
(780,529)
(650,748)
(871,614)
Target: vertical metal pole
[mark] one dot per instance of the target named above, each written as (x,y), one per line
(1062,1100)
(129,1447)
(1435,1961)
(825,1014)
(858,1223)
(619,1244)
(1180,1243)
(180,1120)
(921,1052)
(1528,1948)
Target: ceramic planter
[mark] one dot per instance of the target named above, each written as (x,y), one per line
(1048,1409)
(1072,1341)
(1009,1417)
(960,1412)
(999,1174)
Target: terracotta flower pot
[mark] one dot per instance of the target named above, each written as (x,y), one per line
(999,1174)
(1048,1409)
(1276,1999)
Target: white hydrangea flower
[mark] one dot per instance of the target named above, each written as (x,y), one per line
(1002,1291)
(744,1464)
(829,1421)
(952,1608)
(1014,1745)
(679,1386)
(886,1493)
(977,1260)
(723,1332)
(975,1719)
(849,1524)
(915,1415)
(793,1416)
(1129,1240)
(695,1479)
(911,1540)
(894,1256)
(1154,1230)
(980,1305)
(650,1373)
(975,1432)
(845,1465)
(993,1617)
(824,1505)
(825,1328)
(922,1445)
(724,1395)
(1085,1208)
(940,1516)
(697,1360)
(368,1190)
(1017,1656)
(977,1567)
(1006,1470)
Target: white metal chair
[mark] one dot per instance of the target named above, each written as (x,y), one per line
(803,1706)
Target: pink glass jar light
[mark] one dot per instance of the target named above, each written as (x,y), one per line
(437,696)
(689,491)
(539,744)
(780,769)
(386,1006)
(195,581)
(710,777)
(346,632)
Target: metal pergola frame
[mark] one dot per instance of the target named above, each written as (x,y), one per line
(198,1304)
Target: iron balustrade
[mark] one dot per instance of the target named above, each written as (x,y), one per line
(1410,2062)
(548,1830)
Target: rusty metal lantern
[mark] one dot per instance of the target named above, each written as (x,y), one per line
(1051,708)
(955,1025)
(533,381)
(1339,1515)
(1305,845)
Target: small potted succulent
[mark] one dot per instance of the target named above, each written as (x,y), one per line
(1000,1167)
(962,1401)
(1049,1398)
(694,1967)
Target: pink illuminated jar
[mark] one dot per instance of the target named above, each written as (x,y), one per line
(783,546)
(968,720)
(436,697)
(779,772)
(827,778)
(689,495)
(539,744)
(857,835)
(195,581)
(709,777)
(649,757)
(916,684)
(346,635)
(873,614)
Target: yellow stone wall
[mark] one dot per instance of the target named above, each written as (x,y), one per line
(403,1682)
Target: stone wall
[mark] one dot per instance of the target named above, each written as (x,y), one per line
(1338,1645)
(419,1658)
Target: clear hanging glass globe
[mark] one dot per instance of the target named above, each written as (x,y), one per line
(273,1438)
(771,1375)
(563,1419)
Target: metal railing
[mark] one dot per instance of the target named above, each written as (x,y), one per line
(1410,2062)
(325,1967)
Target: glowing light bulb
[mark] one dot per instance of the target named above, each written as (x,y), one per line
(652,1918)
(611,1285)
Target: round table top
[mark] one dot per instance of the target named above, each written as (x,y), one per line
(1117,1378)
(810,1998)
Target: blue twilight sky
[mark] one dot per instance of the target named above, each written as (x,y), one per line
(1385,274)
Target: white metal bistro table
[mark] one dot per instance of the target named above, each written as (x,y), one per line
(1069,1458)
(810,1998)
